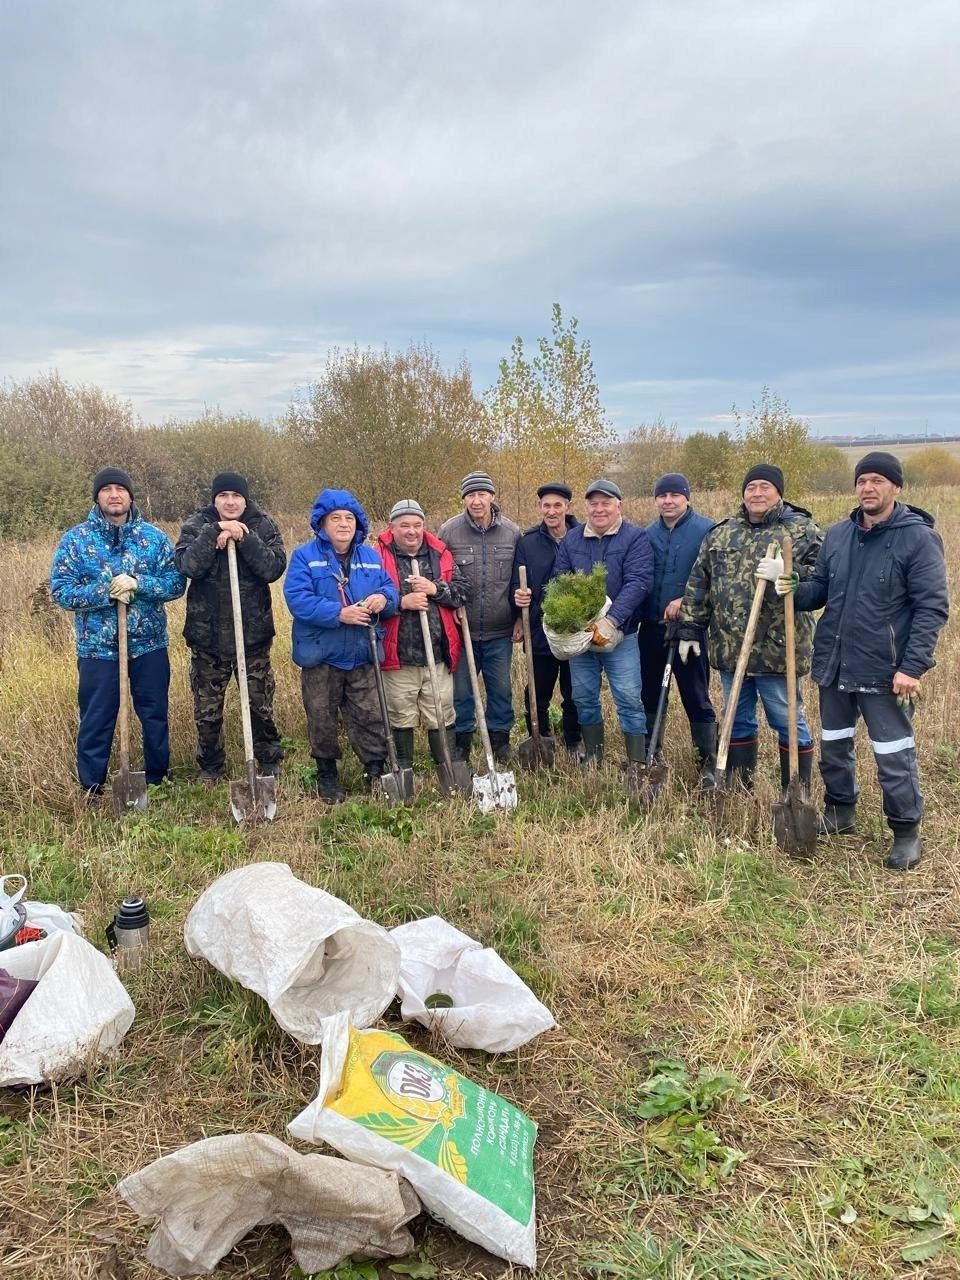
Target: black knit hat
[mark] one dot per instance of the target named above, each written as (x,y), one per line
(880,464)
(111,475)
(560,489)
(229,482)
(765,471)
(672,482)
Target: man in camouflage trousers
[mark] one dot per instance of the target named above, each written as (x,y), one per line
(718,597)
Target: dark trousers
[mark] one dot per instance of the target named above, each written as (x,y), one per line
(546,671)
(99,697)
(328,693)
(209,676)
(692,676)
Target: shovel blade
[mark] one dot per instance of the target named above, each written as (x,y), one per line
(129,791)
(795,823)
(253,804)
(397,786)
(534,753)
(645,784)
(495,791)
(455,778)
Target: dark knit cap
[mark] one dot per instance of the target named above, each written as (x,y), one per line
(562,491)
(230,482)
(672,482)
(765,471)
(111,475)
(604,486)
(476,481)
(880,464)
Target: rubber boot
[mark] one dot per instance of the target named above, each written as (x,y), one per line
(741,762)
(837,820)
(704,737)
(328,783)
(804,768)
(434,738)
(906,848)
(403,741)
(592,746)
(463,742)
(636,744)
(500,742)
(372,772)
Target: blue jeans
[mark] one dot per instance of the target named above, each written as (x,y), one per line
(622,667)
(99,698)
(493,663)
(771,689)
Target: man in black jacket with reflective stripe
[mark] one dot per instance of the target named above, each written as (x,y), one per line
(881,581)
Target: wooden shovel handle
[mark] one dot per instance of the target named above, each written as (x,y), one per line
(241,658)
(790,638)
(740,671)
(528,650)
(124,714)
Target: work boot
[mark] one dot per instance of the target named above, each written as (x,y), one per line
(592,746)
(636,744)
(804,768)
(211,776)
(435,740)
(741,762)
(906,848)
(328,782)
(837,820)
(271,769)
(704,737)
(373,771)
(463,742)
(403,741)
(574,750)
(500,742)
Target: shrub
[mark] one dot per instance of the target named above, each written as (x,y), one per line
(574,599)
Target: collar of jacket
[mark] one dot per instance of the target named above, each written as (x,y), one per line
(107,527)
(590,533)
(570,521)
(494,519)
(772,517)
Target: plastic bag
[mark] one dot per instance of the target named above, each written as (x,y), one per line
(210,1194)
(467,1152)
(484,1004)
(79,1009)
(42,915)
(569,644)
(307,953)
(11,914)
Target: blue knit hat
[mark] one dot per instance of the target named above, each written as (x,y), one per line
(672,482)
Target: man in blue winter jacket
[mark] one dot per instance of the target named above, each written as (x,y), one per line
(675,536)
(335,588)
(115,555)
(625,550)
(882,584)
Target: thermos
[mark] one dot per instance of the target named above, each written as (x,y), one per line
(128,933)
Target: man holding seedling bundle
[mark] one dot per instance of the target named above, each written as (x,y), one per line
(881,582)
(625,552)
(115,555)
(718,599)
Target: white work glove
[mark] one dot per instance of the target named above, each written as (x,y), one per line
(123,587)
(770,567)
(686,647)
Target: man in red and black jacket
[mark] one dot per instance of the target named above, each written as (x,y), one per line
(438,589)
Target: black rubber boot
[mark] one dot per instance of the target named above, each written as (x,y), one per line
(372,772)
(804,768)
(403,741)
(636,744)
(741,763)
(463,742)
(837,820)
(906,848)
(435,740)
(704,737)
(328,783)
(592,746)
(500,741)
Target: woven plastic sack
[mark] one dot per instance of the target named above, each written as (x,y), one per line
(569,644)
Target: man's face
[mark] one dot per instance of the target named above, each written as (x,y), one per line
(553,510)
(230,505)
(759,497)
(478,504)
(672,505)
(407,533)
(603,512)
(115,502)
(876,494)
(340,527)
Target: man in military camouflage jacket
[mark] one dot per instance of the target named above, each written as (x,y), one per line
(718,598)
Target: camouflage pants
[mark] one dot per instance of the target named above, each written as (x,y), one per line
(209,677)
(328,691)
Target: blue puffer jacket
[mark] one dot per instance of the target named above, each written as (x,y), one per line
(313,596)
(628,557)
(674,554)
(88,556)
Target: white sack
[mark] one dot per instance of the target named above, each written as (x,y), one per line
(570,644)
(80,1009)
(492,1009)
(210,1194)
(307,953)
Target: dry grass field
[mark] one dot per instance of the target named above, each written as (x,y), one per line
(827,992)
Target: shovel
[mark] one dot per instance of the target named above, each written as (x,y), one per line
(398,783)
(794,817)
(651,783)
(492,790)
(129,790)
(255,799)
(536,751)
(730,710)
(453,775)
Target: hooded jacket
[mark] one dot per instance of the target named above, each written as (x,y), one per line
(884,597)
(88,556)
(485,558)
(261,560)
(537,551)
(674,555)
(317,586)
(436,562)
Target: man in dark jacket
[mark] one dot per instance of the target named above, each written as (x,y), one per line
(625,550)
(437,589)
(482,541)
(882,585)
(537,552)
(201,554)
(676,536)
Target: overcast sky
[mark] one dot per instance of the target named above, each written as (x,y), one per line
(199,198)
